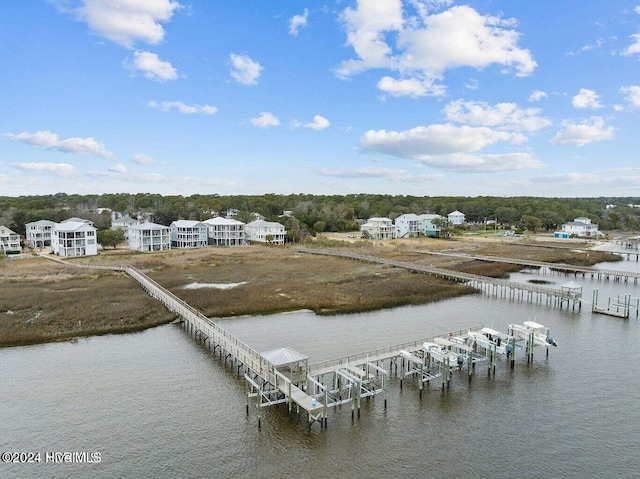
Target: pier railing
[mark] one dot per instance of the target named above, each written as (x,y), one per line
(380,353)
(244,353)
(472,279)
(567,268)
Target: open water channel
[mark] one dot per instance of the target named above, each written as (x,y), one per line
(157,404)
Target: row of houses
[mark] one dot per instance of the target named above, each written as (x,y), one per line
(78,237)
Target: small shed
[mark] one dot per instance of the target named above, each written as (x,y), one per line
(288,362)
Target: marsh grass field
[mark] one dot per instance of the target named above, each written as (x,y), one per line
(43,301)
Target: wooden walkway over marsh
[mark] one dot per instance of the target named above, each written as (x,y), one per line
(490,286)
(604,274)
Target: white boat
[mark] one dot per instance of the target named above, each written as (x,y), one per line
(540,333)
(440,353)
(483,341)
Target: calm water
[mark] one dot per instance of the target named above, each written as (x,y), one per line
(156,404)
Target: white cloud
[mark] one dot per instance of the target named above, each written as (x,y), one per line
(298,21)
(264,120)
(632,95)
(64,170)
(411,87)
(183,108)
(634,47)
(244,69)
(505,115)
(449,147)
(537,95)
(152,67)
(119,168)
(318,123)
(590,130)
(142,159)
(586,99)
(124,22)
(49,141)
(422,49)
(392,174)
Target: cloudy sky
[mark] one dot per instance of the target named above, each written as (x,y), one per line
(417,97)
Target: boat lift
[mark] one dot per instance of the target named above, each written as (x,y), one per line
(533,334)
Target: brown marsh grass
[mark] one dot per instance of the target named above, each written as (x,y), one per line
(45,301)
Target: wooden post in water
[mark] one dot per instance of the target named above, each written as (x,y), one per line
(470,364)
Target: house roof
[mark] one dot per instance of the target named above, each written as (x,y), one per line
(147,225)
(187,224)
(75,219)
(283,356)
(456,212)
(219,220)
(264,224)
(74,226)
(4,231)
(42,223)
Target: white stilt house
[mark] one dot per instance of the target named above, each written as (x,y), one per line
(378,229)
(149,237)
(39,233)
(9,241)
(265,232)
(225,231)
(188,234)
(74,238)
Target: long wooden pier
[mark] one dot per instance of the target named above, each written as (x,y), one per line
(490,286)
(604,274)
(315,388)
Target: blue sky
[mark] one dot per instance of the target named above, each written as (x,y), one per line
(416,97)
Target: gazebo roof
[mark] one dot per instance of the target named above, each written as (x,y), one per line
(283,356)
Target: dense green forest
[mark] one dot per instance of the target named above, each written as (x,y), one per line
(319,213)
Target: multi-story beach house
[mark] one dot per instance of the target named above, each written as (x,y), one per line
(188,234)
(9,241)
(123,223)
(456,218)
(582,227)
(224,231)
(265,232)
(74,238)
(411,225)
(38,233)
(149,237)
(378,229)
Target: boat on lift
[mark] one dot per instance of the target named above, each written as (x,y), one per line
(482,340)
(440,353)
(541,335)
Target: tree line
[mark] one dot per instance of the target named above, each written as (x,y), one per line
(313,214)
